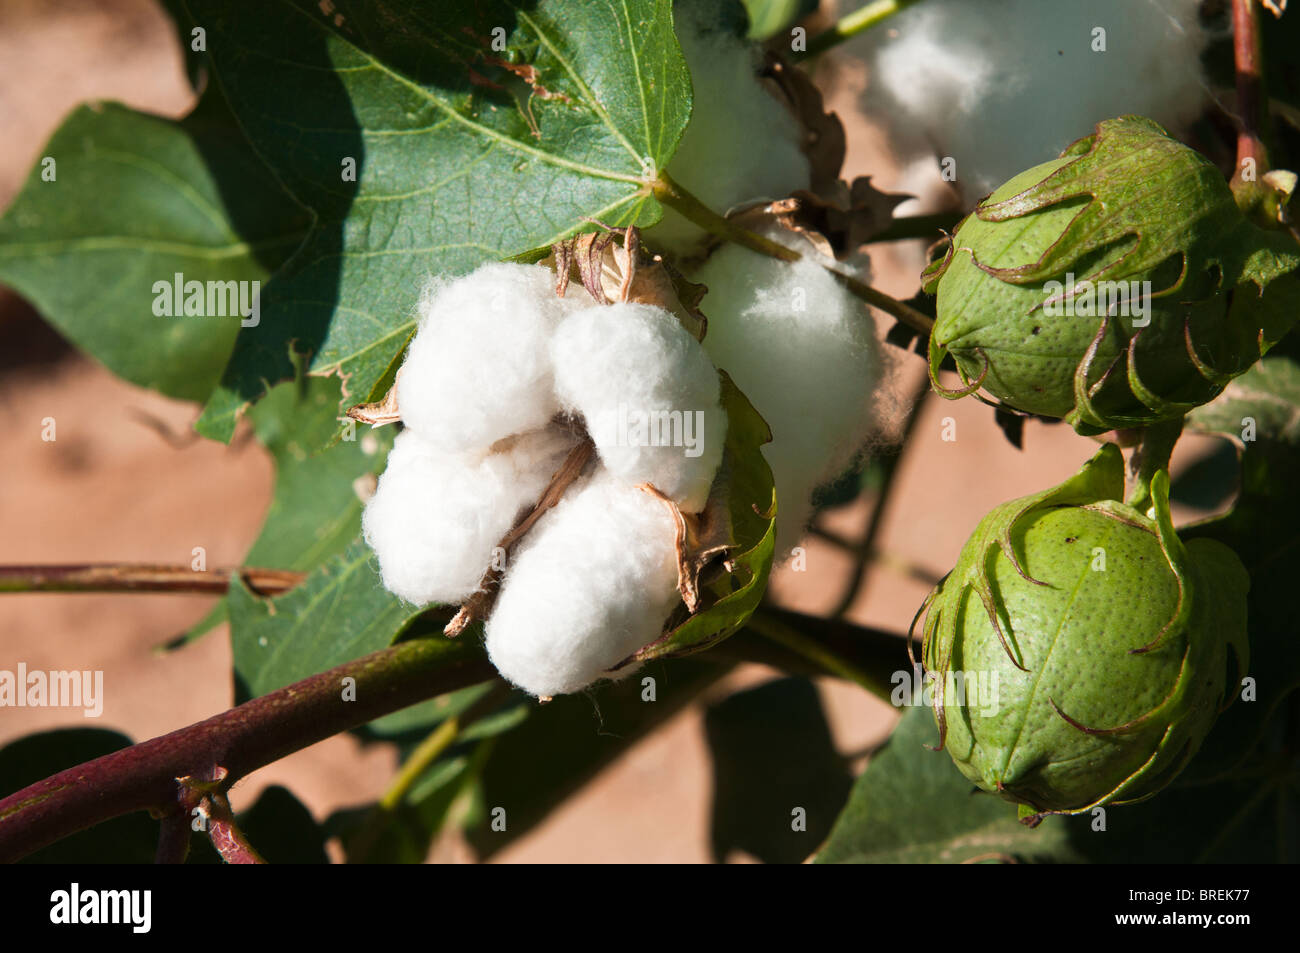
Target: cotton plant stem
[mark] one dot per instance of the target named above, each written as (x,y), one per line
(670,193)
(433,747)
(870,669)
(158,775)
(228,840)
(1252,98)
(859,21)
(145,775)
(1151,456)
(429,751)
(917,226)
(141,577)
(436,743)
(173,839)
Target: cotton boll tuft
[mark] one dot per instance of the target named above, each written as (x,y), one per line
(593,582)
(436,516)
(1002,85)
(649,395)
(804,351)
(716,159)
(479,367)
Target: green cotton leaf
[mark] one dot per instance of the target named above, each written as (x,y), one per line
(316,508)
(421,718)
(340,612)
(741,512)
(912,806)
(428,137)
(135,200)
(1262,405)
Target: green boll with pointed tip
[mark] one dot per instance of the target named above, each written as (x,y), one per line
(1115,286)
(1092,645)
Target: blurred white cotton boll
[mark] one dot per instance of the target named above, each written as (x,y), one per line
(1001,85)
(804,351)
(595,580)
(649,395)
(436,516)
(479,367)
(742,143)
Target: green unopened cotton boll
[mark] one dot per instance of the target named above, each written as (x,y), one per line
(1080,650)
(1115,286)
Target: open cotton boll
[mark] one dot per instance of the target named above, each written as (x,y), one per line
(595,580)
(1001,85)
(649,395)
(436,516)
(804,351)
(479,367)
(742,144)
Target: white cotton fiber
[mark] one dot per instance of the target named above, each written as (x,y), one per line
(436,516)
(1001,85)
(593,582)
(649,395)
(742,144)
(479,367)
(804,351)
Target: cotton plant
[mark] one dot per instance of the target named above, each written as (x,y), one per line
(505,375)
(600,273)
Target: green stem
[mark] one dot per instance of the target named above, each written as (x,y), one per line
(854,23)
(917,226)
(1151,456)
(772,626)
(430,749)
(670,193)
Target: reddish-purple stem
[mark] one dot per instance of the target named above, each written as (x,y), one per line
(146,776)
(1251,100)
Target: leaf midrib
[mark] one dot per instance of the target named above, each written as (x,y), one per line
(485,131)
